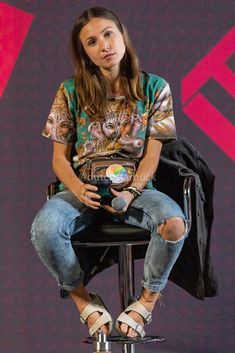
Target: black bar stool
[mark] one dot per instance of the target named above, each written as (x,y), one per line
(112,234)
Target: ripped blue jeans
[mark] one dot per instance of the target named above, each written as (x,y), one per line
(64,215)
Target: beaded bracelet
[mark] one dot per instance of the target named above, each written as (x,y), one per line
(134,190)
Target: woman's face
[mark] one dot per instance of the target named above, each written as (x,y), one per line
(103,43)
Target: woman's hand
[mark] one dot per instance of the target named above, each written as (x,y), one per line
(86,193)
(126,195)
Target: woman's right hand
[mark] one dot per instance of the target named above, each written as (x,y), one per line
(87,194)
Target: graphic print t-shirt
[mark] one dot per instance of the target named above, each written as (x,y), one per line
(124,129)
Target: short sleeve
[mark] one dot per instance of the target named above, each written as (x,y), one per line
(60,125)
(161,123)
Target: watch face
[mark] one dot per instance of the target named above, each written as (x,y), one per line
(117,173)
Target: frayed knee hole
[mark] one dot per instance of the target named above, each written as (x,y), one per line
(172,229)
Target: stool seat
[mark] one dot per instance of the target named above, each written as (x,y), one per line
(111,233)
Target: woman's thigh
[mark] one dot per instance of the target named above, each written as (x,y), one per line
(152,208)
(63,214)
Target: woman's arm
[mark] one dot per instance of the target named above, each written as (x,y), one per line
(148,164)
(62,168)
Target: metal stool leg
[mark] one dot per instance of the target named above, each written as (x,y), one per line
(128,348)
(126,284)
(126,275)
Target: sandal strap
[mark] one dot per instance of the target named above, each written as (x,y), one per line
(140,309)
(96,305)
(126,319)
(104,319)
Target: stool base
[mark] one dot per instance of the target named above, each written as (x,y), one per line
(128,345)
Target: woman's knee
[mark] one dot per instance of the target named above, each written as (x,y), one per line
(172,229)
(46,225)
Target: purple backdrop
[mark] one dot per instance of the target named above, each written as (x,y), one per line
(171,37)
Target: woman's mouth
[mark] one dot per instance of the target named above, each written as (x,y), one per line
(109,56)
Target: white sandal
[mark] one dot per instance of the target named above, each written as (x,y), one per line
(96,305)
(126,319)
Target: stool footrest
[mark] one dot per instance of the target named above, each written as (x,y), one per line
(122,340)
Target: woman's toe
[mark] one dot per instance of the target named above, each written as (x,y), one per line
(124,328)
(131,333)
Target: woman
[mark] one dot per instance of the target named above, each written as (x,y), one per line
(109,108)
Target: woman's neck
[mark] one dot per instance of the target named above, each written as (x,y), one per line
(115,86)
(113,77)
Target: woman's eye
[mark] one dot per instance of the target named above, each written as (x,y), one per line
(108,33)
(92,42)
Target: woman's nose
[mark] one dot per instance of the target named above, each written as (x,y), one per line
(105,46)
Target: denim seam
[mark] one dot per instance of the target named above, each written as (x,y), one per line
(73,285)
(156,288)
(71,220)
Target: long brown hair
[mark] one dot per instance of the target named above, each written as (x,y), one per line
(92,88)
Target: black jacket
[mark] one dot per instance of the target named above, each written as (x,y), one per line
(193,270)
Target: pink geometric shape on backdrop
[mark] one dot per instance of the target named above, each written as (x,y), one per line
(211,121)
(14,26)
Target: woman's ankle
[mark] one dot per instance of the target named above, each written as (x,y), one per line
(149,298)
(80,297)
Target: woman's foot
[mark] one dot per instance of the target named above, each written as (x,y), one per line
(148,300)
(92,311)
(93,318)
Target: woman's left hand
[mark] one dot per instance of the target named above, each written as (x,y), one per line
(126,195)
